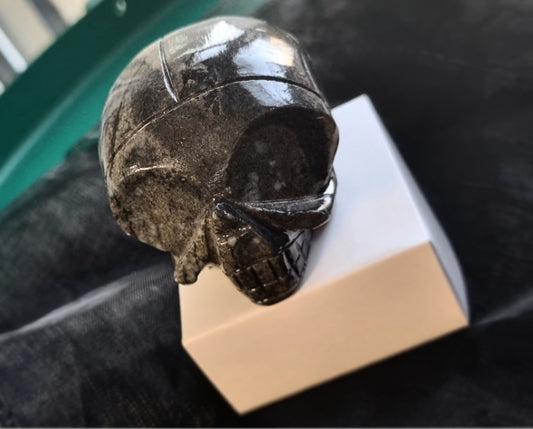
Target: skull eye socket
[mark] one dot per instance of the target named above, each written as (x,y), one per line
(160,208)
(284,154)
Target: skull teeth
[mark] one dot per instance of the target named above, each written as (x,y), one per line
(296,253)
(271,280)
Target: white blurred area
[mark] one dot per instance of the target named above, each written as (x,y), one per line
(28,27)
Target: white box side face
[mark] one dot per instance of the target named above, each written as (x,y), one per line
(374,216)
(386,308)
(434,231)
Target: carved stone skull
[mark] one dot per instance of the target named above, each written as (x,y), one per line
(217,146)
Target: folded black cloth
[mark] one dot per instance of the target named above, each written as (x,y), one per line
(89,318)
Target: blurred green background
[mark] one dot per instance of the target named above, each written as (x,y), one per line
(60,94)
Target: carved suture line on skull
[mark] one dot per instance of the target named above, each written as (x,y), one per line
(114,132)
(128,137)
(166,74)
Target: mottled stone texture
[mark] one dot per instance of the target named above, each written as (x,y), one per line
(217,146)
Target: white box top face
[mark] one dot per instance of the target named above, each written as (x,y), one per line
(375,216)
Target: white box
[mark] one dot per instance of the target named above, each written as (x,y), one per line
(381,279)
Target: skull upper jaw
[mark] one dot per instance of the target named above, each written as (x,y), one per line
(265,264)
(258,246)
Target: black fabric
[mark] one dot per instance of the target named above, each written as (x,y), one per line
(89,319)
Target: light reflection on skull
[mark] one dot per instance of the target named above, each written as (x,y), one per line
(217,146)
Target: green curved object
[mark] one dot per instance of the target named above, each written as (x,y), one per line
(61,95)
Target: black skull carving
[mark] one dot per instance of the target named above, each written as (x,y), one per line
(217,146)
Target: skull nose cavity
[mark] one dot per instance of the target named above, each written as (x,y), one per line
(271,280)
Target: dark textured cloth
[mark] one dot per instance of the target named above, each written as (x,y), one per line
(89,319)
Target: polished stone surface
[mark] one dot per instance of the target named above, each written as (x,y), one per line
(217,146)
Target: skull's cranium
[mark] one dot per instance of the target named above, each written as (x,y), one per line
(217,146)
